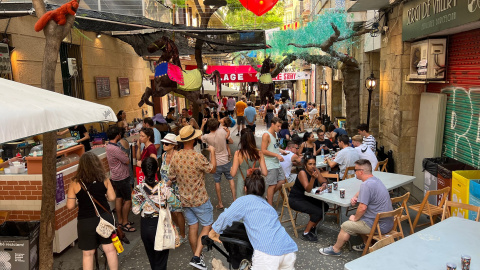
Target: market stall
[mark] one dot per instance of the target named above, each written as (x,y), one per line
(35,111)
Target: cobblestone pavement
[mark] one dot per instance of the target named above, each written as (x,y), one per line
(308,257)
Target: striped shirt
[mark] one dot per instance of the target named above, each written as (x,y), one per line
(370,141)
(118,162)
(264,230)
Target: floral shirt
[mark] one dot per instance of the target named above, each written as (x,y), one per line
(188,167)
(140,205)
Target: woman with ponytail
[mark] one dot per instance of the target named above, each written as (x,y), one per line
(273,247)
(147,197)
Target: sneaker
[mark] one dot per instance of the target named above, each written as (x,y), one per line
(360,247)
(313,230)
(310,237)
(198,263)
(329,251)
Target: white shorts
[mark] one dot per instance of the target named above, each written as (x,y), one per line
(263,261)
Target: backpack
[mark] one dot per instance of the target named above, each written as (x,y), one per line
(282,114)
(233,121)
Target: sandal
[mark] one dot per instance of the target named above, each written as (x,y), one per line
(128,228)
(130,223)
(219,207)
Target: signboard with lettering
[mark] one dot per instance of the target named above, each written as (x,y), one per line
(424,17)
(102,87)
(294,76)
(123,86)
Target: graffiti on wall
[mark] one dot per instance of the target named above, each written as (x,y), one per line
(461,139)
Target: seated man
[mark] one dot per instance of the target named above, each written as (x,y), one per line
(321,143)
(368,138)
(373,198)
(345,158)
(364,151)
(290,159)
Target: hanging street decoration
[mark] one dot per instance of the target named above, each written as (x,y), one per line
(259,7)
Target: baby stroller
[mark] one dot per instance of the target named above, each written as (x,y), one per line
(236,243)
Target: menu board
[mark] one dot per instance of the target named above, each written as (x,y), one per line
(102,85)
(123,86)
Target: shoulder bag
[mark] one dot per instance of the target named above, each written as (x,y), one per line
(165,235)
(104,228)
(250,170)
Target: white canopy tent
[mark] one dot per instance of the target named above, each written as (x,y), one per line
(226,91)
(26,111)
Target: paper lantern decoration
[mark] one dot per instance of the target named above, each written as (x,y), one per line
(259,7)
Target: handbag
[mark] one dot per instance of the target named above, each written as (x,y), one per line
(104,228)
(249,170)
(165,234)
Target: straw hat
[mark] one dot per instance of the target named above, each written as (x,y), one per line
(188,133)
(170,138)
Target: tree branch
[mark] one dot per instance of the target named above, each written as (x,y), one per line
(281,66)
(320,60)
(39,7)
(251,62)
(356,34)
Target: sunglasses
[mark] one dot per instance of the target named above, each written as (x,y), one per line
(167,144)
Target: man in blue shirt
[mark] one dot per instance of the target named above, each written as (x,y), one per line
(373,198)
(273,247)
(250,115)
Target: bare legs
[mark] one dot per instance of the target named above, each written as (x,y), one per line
(123,208)
(110,252)
(179,220)
(218,190)
(272,189)
(195,239)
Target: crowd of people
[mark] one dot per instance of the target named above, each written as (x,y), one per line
(175,168)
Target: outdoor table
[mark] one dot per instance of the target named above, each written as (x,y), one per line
(321,163)
(352,186)
(430,248)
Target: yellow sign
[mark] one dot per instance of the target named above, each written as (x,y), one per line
(293,26)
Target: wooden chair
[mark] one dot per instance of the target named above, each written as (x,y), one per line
(428,209)
(285,190)
(380,244)
(346,175)
(469,207)
(335,210)
(280,195)
(376,234)
(383,164)
(4,215)
(402,200)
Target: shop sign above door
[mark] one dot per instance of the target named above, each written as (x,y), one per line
(294,76)
(424,17)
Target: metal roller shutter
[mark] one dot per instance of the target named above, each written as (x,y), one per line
(461,139)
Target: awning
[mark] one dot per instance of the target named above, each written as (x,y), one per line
(27,111)
(235,74)
(226,91)
(364,5)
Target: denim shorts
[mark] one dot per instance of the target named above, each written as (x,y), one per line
(202,214)
(223,169)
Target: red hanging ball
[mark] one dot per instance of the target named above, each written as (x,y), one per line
(259,7)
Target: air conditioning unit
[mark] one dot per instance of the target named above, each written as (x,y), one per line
(427,60)
(337,75)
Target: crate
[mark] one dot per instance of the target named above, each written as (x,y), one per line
(461,190)
(474,198)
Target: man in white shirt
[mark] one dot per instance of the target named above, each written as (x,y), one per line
(290,159)
(364,152)
(345,158)
(368,138)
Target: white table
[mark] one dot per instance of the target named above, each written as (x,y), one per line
(352,186)
(430,248)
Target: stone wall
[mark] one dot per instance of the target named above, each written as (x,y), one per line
(399,101)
